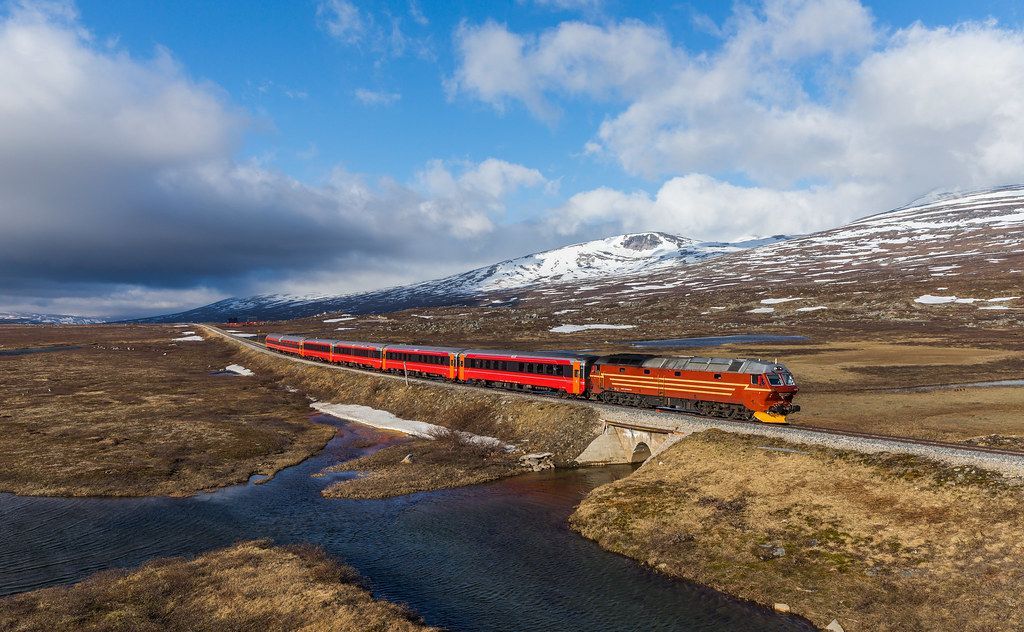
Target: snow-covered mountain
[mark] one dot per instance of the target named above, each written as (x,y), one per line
(945,246)
(17,318)
(593,261)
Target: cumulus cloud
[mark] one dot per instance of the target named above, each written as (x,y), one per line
(468,203)
(806,107)
(118,181)
(498,66)
(701,206)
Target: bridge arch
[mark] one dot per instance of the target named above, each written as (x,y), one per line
(641,452)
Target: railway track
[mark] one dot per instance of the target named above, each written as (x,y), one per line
(686,423)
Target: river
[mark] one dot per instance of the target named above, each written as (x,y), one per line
(489,557)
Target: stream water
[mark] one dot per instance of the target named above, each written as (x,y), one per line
(488,557)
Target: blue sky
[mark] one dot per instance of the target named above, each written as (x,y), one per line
(370,137)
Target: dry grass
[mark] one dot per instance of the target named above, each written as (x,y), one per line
(131,413)
(878,542)
(449,460)
(250,586)
(848,386)
(957,415)
(562,428)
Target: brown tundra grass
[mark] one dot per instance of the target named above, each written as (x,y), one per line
(132,413)
(879,542)
(250,586)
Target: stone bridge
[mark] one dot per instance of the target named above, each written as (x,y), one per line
(622,442)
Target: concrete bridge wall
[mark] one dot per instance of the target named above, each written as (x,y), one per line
(626,444)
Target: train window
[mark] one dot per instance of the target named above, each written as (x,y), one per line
(647,371)
(789,379)
(718,376)
(774,379)
(622,369)
(753,379)
(678,373)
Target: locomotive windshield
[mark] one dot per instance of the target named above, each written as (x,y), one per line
(782,378)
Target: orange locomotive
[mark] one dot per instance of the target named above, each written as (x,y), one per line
(718,387)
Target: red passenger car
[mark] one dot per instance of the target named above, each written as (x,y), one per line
(555,371)
(285,343)
(361,354)
(317,348)
(411,360)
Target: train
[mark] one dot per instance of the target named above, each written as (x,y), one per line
(731,388)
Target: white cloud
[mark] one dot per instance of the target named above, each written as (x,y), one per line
(378,31)
(342,19)
(705,208)
(804,102)
(499,66)
(376,97)
(467,204)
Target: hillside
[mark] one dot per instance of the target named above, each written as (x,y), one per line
(594,261)
(956,251)
(941,266)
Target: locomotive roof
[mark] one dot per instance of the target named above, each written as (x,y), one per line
(540,355)
(323,341)
(415,348)
(692,363)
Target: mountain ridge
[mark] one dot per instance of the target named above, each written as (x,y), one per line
(596,260)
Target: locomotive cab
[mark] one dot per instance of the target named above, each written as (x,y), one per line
(783,388)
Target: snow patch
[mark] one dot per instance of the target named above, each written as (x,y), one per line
(929,299)
(811,309)
(569,329)
(761,310)
(776,301)
(239,369)
(387,421)
(188,339)
(338,320)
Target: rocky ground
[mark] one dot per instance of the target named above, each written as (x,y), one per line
(250,586)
